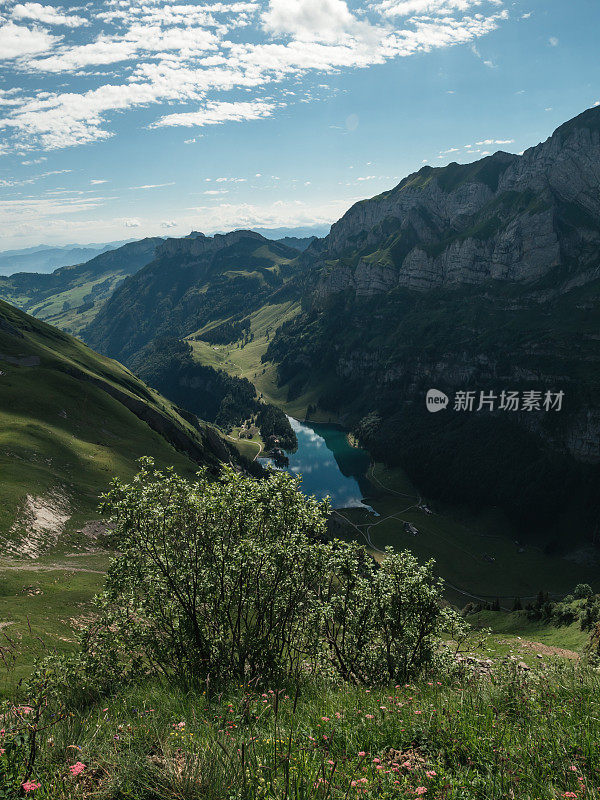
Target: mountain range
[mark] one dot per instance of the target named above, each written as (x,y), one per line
(482,277)
(46,258)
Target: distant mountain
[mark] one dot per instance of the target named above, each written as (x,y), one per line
(70,420)
(297,244)
(192,281)
(46,258)
(70,296)
(296,233)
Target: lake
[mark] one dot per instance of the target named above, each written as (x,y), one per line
(328,464)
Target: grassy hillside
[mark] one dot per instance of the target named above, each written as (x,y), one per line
(192,282)
(70,297)
(70,420)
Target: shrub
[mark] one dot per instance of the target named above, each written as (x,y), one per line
(233,579)
(215,578)
(383,621)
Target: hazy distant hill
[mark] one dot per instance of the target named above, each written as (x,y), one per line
(70,296)
(46,258)
(296,243)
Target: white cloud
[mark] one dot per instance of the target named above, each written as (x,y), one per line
(97,182)
(48,15)
(597,103)
(313,20)
(173,53)
(17,41)
(553,41)
(168,224)
(131,223)
(403,8)
(215,113)
(153,185)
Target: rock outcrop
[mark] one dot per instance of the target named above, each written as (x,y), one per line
(504,218)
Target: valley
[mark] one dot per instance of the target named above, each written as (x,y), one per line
(436,282)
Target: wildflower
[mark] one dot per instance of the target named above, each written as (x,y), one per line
(30,786)
(325,719)
(362,753)
(368,716)
(377,761)
(75,769)
(430,773)
(420,790)
(573,768)
(569,794)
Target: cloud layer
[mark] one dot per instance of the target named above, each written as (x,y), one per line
(195,65)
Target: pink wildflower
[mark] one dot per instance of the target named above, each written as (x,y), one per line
(420,790)
(362,753)
(30,786)
(77,768)
(430,773)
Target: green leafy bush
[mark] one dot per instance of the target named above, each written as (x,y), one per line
(234,580)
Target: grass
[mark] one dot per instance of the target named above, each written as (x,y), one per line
(245,362)
(531,736)
(40,605)
(477,555)
(63,435)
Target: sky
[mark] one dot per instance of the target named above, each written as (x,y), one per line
(122,119)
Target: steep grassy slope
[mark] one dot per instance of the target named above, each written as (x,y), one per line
(70,420)
(70,297)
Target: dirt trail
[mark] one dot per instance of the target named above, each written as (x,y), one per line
(34,566)
(548,650)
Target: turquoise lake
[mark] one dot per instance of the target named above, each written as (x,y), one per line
(328,464)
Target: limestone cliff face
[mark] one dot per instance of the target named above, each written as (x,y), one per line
(506,218)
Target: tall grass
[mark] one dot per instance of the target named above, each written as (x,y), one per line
(512,734)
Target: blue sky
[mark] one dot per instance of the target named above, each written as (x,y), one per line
(121,119)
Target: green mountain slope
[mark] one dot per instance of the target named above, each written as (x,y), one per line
(70,297)
(70,420)
(192,282)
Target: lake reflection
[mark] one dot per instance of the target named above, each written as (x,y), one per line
(328,464)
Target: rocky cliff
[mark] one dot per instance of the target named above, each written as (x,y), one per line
(503,218)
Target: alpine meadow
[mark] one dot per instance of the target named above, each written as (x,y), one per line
(300,400)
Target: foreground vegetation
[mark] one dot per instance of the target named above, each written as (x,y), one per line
(514,733)
(237,653)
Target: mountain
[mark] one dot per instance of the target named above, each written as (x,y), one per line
(303,232)
(46,258)
(296,243)
(70,296)
(191,282)
(481,277)
(70,420)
